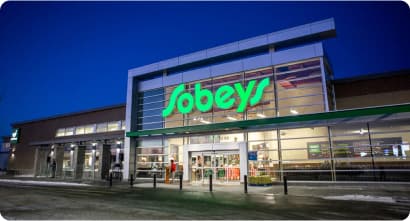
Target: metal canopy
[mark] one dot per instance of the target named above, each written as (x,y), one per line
(327,118)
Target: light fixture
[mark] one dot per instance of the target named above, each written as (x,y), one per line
(261,115)
(72,145)
(362,131)
(118,142)
(231,118)
(293,111)
(205,121)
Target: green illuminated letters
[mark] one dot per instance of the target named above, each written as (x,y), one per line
(199,94)
(224,99)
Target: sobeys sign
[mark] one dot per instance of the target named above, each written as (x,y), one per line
(15,135)
(223,97)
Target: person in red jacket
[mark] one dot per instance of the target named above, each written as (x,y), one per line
(173,169)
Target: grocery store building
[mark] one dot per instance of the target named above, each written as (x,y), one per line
(263,106)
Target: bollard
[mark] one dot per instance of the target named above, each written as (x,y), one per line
(210,183)
(110,179)
(132,180)
(155,181)
(285,185)
(180,182)
(245,183)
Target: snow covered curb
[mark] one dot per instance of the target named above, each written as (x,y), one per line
(42,183)
(382,199)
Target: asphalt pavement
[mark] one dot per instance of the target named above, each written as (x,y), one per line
(341,201)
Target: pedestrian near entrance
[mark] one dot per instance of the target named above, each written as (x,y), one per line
(173,169)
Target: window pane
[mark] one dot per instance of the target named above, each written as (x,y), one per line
(89,129)
(79,130)
(113,126)
(102,127)
(69,131)
(60,132)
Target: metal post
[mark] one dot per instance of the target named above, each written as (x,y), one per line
(155,181)
(285,184)
(245,184)
(210,183)
(132,180)
(111,179)
(180,182)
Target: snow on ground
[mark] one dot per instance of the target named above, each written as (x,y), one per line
(42,183)
(383,199)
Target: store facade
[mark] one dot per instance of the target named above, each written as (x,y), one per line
(236,110)
(84,145)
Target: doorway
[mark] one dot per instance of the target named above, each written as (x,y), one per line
(224,166)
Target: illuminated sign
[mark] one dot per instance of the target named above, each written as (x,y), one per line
(15,135)
(223,97)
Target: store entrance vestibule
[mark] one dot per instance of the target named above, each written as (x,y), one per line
(224,166)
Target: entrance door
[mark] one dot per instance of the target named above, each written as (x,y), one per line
(222,165)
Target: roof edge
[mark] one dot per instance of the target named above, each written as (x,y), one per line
(68,114)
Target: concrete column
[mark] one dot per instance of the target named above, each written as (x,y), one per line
(79,164)
(36,162)
(105,160)
(243,158)
(59,157)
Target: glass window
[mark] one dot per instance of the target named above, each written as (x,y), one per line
(299,88)
(60,132)
(391,149)
(101,127)
(89,129)
(113,126)
(262,135)
(79,130)
(229,138)
(69,131)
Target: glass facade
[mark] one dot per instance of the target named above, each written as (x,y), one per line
(326,152)
(295,88)
(348,151)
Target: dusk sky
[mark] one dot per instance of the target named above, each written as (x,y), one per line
(58,58)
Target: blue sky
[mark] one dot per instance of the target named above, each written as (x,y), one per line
(60,57)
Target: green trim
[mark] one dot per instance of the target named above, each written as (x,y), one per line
(275,120)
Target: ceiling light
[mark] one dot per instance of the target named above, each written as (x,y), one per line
(231,118)
(260,115)
(205,121)
(293,111)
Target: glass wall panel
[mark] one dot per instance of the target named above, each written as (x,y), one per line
(89,129)
(79,130)
(299,88)
(263,154)
(352,151)
(69,131)
(306,153)
(60,132)
(151,158)
(113,126)
(229,138)
(150,107)
(102,127)
(391,150)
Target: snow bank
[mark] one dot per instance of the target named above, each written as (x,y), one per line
(42,183)
(383,199)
